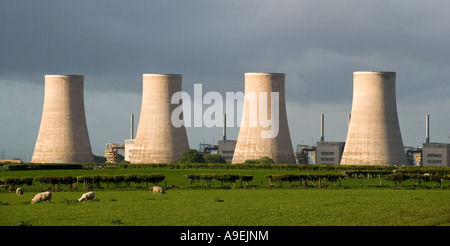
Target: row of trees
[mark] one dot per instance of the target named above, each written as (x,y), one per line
(224,178)
(193,156)
(72,182)
(396,177)
(417,178)
(318,180)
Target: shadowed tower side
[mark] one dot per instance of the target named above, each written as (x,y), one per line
(157,140)
(63,136)
(374,136)
(252,143)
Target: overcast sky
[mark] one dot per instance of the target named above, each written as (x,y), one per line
(318,44)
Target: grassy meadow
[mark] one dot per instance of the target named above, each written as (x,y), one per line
(233,207)
(355,202)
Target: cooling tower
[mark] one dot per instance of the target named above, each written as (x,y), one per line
(63,136)
(374,136)
(264,100)
(157,140)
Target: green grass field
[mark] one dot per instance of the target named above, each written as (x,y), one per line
(259,205)
(229,207)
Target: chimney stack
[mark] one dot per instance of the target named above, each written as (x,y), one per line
(427,128)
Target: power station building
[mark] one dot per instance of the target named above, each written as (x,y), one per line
(329,152)
(264,130)
(374,136)
(157,139)
(436,154)
(129,143)
(226,149)
(63,136)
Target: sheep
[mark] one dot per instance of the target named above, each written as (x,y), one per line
(43,196)
(157,189)
(19,191)
(89,196)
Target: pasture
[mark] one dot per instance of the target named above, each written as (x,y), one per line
(367,201)
(233,207)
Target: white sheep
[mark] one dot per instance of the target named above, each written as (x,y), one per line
(89,196)
(19,191)
(157,189)
(43,196)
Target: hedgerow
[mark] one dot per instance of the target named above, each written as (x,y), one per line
(316,179)
(254,166)
(89,182)
(223,178)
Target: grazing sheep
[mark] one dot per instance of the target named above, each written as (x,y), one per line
(43,196)
(19,191)
(89,196)
(157,189)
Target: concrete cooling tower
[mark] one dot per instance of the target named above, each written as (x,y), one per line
(374,136)
(63,135)
(264,130)
(157,140)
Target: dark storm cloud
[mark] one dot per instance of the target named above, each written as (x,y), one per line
(317,43)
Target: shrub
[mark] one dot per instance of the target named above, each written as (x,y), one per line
(200,177)
(11,183)
(213,158)
(397,178)
(317,179)
(266,160)
(246,179)
(262,161)
(207,177)
(227,178)
(191,156)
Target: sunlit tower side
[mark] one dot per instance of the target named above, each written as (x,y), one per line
(157,139)
(250,143)
(63,136)
(374,136)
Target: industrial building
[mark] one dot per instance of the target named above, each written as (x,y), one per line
(157,140)
(374,136)
(436,154)
(129,147)
(129,143)
(329,152)
(251,143)
(226,149)
(305,154)
(114,152)
(413,156)
(63,135)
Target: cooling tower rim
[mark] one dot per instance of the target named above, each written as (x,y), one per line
(372,72)
(63,75)
(161,74)
(255,73)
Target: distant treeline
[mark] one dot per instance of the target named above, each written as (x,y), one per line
(247,166)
